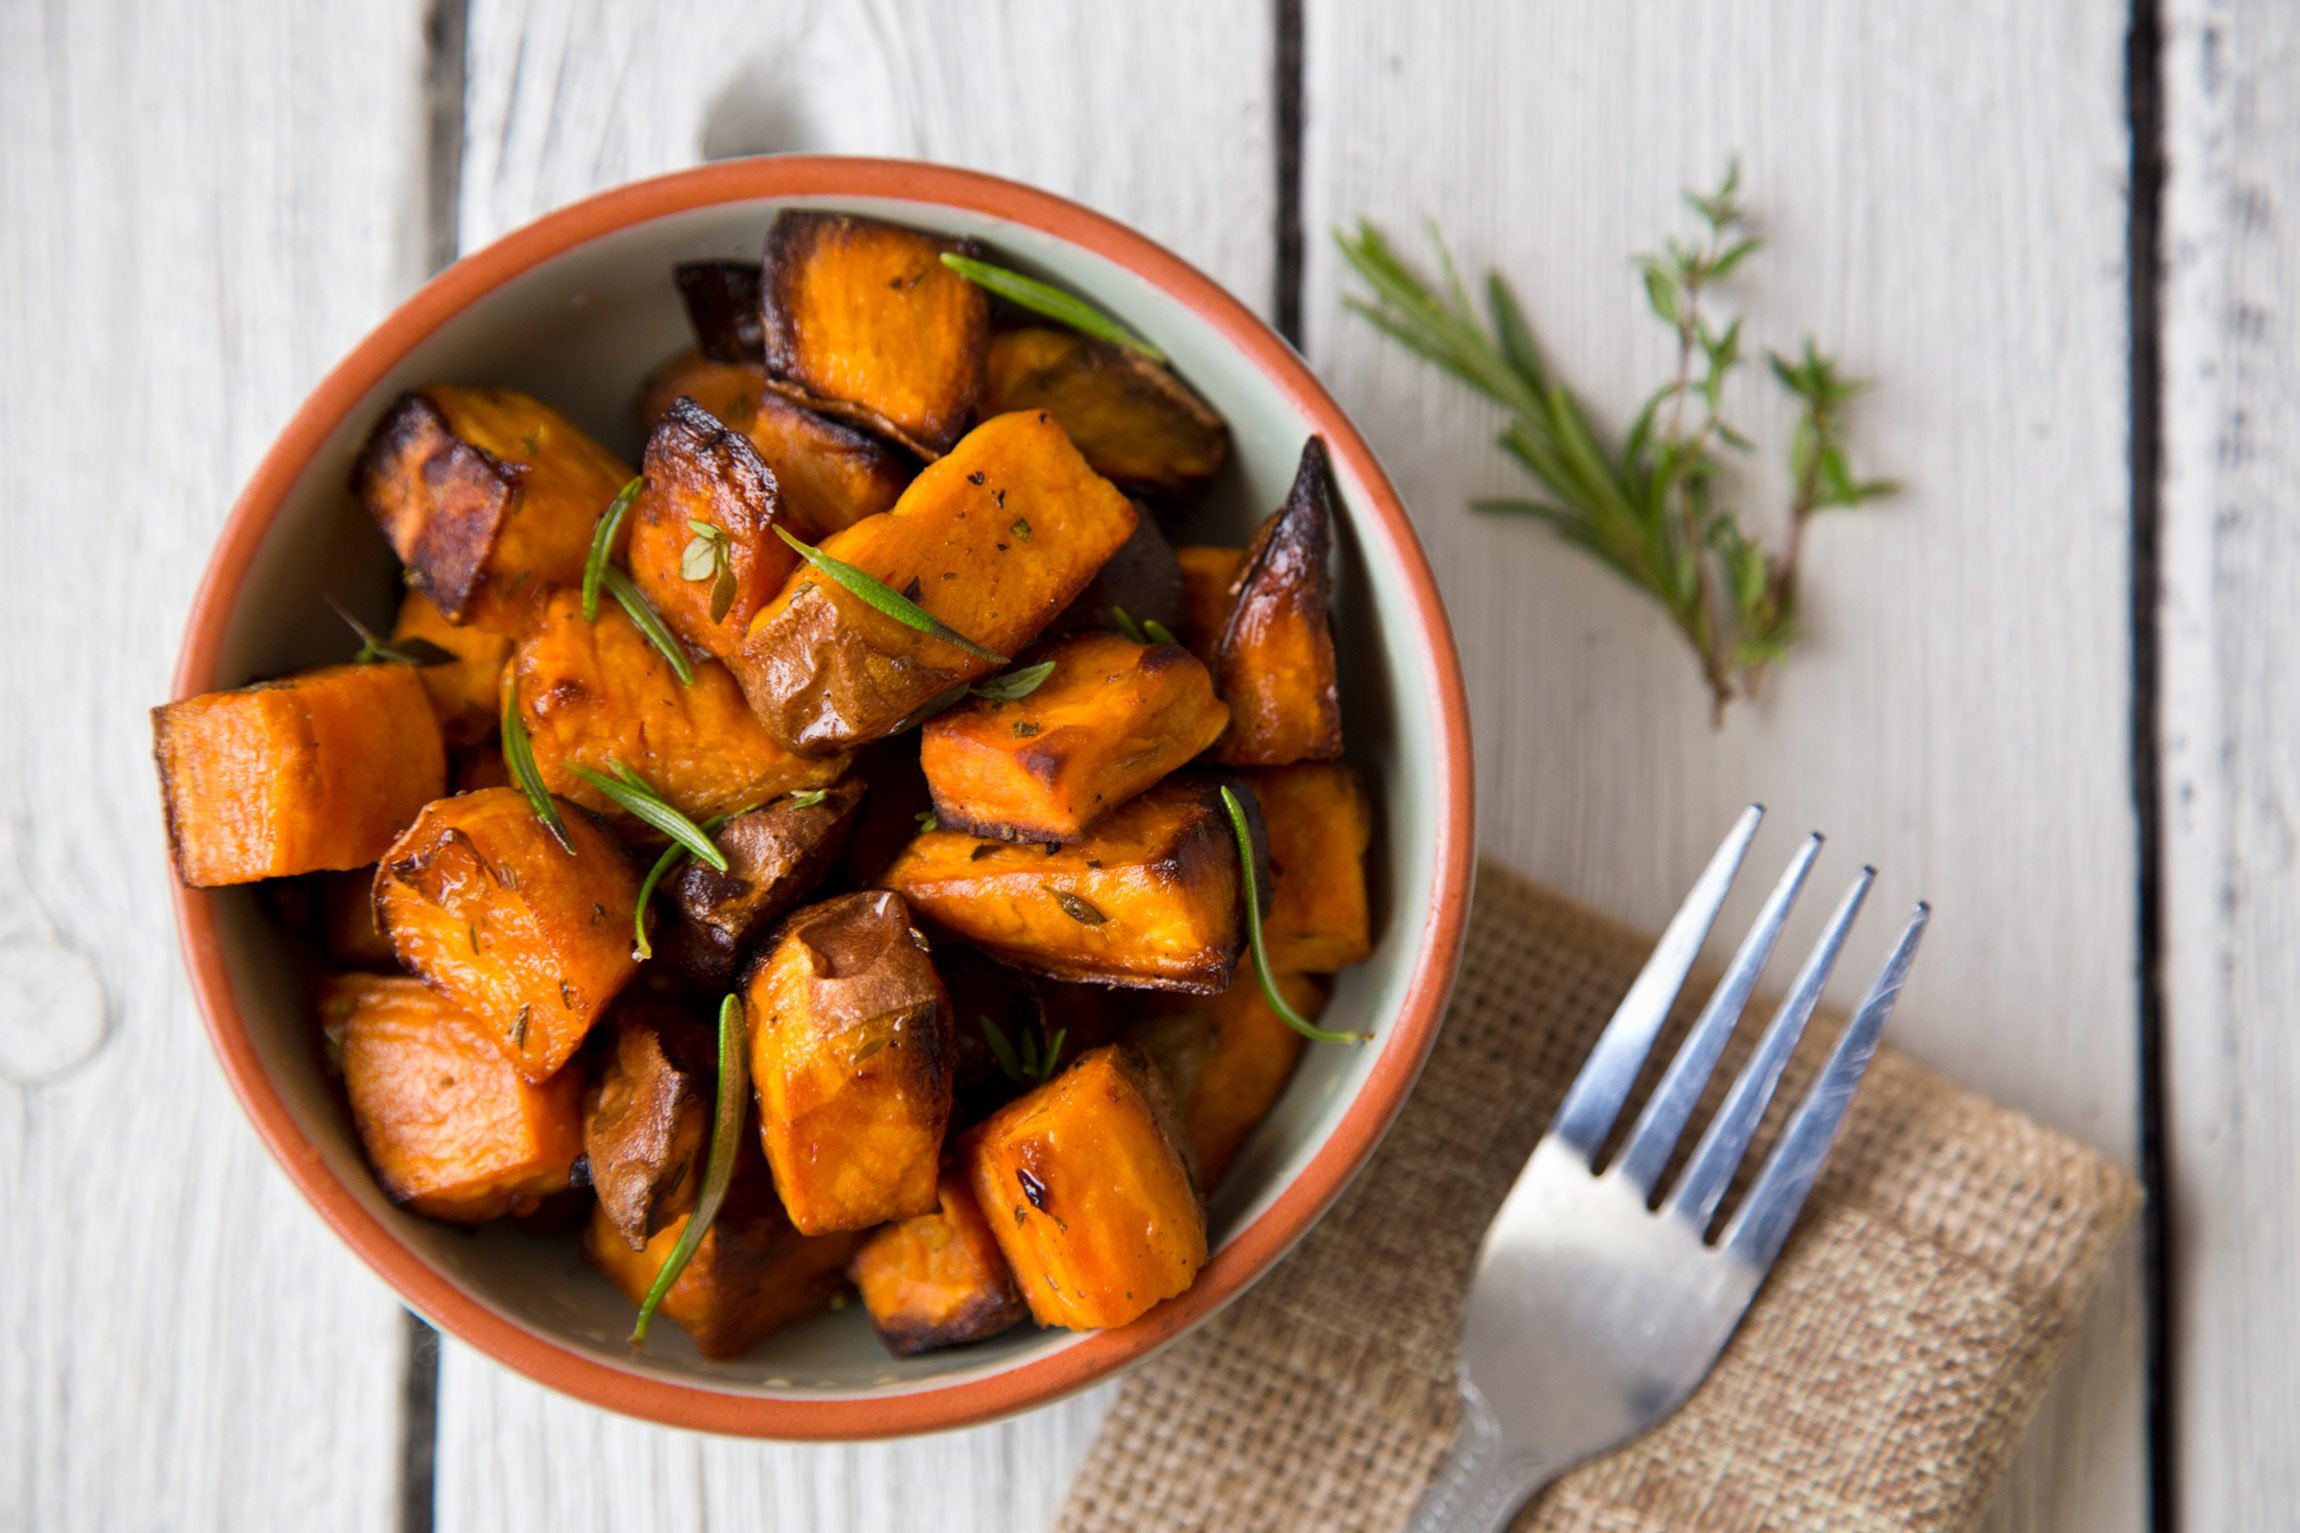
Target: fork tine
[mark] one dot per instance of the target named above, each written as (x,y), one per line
(1598,1092)
(1700,1189)
(1664,1118)
(1762,1223)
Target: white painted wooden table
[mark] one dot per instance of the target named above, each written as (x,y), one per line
(2050,686)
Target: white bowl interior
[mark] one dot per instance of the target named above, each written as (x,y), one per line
(580,332)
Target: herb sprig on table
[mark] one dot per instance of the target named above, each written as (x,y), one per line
(1652,509)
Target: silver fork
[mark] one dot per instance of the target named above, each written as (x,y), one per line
(1594,1313)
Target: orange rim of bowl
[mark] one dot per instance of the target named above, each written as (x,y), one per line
(929,1406)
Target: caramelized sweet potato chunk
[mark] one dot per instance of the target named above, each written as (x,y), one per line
(488,498)
(1134,420)
(865,320)
(937,1279)
(596,693)
(775,857)
(1320,822)
(1088,1191)
(647,1118)
(1113,718)
(722,299)
(1275,660)
(994,540)
(315,772)
(851,1057)
(467,693)
(728,391)
(1227,1062)
(1207,575)
(702,474)
(481,903)
(1149,898)
(449,1126)
(1143,580)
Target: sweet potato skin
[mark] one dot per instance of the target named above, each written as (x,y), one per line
(1089,1193)
(1320,821)
(448,1125)
(775,857)
(1113,718)
(863,317)
(485,907)
(1275,660)
(1144,578)
(851,1059)
(1138,424)
(700,470)
(994,540)
(1208,573)
(1227,1062)
(722,299)
(647,1118)
(937,1279)
(313,773)
(467,694)
(594,693)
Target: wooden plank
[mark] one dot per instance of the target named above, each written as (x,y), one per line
(1159,115)
(2231,752)
(1941,188)
(204,210)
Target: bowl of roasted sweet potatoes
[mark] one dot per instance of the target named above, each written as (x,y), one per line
(819,798)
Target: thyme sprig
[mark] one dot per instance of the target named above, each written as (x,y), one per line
(1253,898)
(1051,302)
(707,557)
(876,593)
(718,1168)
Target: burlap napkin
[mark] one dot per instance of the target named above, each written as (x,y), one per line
(1881,1380)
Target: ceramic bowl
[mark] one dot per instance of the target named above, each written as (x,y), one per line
(576,308)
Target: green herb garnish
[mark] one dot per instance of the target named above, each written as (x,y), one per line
(1080,910)
(1052,302)
(642,612)
(1157,632)
(708,556)
(806,798)
(636,797)
(927,823)
(885,598)
(1026,1066)
(718,1170)
(1148,631)
(1253,897)
(642,949)
(603,545)
(1016,685)
(519,761)
(374,649)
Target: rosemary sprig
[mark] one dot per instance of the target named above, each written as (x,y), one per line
(642,949)
(718,1169)
(707,557)
(642,612)
(1026,1066)
(632,793)
(519,762)
(1652,510)
(1052,302)
(374,649)
(603,544)
(1253,898)
(877,593)
(1013,686)
(807,798)
(1148,631)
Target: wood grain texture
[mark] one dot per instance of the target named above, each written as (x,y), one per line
(202,212)
(1941,187)
(2231,756)
(1157,114)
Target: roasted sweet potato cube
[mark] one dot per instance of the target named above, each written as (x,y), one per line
(1275,660)
(722,299)
(994,540)
(480,901)
(647,1118)
(488,498)
(1143,580)
(1087,1188)
(1320,821)
(751,1273)
(700,473)
(775,857)
(729,391)
(1134,420)
(851,1057)
(937,1279)
(466,693)
(316,772)
(1113,718)
(1226,1063)
(451,1129)
(1149,898)
(864,318)
(595,693)
(1208,572)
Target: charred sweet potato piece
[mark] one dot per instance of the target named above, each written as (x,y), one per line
(1226,1062)
(865,320)
(702,474)
(449,1126)
(1320,822)
(775,857)
(937,1279)
(1207,575)
(1087,1188)
(751,1274)
(318,771)
(722,299)
(1148,899)
(488,498)
(1134,420)
(466,693)
(1275,660)
(1113,718)
(647,1118)
(851,1057)
(493,914)
(1143,580)
(596,693)
(994,540)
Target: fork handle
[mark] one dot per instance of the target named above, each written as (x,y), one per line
(1484,1481)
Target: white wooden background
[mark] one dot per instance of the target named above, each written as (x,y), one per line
(201,206)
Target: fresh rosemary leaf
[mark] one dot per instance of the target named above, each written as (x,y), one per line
(373,648)
(806,798)
(1253,898)
(603,545)
(631,793)
(885,598)
(1015,685)
(641,948)
(1052,302)
(718,1169)
(519,762)
(1157,632)
(1127,626)
(643,613)
(1002,1050)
